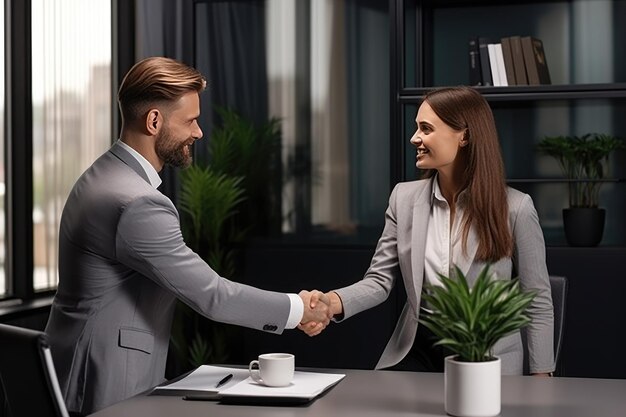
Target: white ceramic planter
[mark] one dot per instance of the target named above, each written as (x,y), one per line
(472,389)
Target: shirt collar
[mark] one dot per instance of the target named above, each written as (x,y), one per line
(436,193)
(152,174)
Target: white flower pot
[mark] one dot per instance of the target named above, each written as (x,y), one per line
(472,389)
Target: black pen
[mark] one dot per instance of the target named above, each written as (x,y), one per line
(224,380)
(203,396)
(208,396)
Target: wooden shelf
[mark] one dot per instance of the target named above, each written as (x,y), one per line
(559,180)
(531,92)
(432,51)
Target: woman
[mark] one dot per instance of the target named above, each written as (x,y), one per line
(461,214)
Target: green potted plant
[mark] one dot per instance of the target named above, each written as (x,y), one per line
(468,321)
(208,201)
(224,200)
(584,161)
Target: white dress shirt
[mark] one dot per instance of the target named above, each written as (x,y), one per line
(152,174)
(296,311)
(444,244)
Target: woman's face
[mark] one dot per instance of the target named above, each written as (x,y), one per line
(437,143)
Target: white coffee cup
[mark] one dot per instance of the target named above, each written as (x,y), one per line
(273,369)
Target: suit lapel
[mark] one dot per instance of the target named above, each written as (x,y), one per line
(421,214)
(129,160)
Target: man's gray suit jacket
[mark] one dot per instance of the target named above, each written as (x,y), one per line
(403,244)
(122,264)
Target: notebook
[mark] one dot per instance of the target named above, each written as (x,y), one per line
(241,389)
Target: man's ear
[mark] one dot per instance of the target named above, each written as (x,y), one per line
(154,121)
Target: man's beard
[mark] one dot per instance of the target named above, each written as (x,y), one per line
(172,151)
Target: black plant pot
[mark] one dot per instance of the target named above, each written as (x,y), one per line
(584,226)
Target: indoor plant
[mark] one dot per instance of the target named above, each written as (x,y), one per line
(468,321)
(584,161)
(208,201)
(225,198)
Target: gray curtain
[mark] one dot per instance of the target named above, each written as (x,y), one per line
(164,28)
(230,52)
(367,40)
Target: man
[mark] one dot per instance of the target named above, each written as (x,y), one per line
(123,261)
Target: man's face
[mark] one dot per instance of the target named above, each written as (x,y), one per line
(179,132)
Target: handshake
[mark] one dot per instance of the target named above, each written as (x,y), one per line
(319,308)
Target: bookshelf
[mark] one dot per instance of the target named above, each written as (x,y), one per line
(584,43)
(582,40)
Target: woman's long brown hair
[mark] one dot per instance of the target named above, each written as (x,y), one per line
(486,207)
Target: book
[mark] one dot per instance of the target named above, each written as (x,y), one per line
(542,63)
(493,65)
(518,60)
(500,64)
(474,63)
(485,66)
(507,56)
(535,60)
(201,384)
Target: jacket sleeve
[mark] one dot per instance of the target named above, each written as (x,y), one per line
(380,277)
(529,261)
(149,240)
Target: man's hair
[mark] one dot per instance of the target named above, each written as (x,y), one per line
(154,81)
(464,108)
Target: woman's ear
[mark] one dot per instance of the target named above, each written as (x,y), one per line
(464,138)
(154,120)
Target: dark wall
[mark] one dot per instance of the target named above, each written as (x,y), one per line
(595,317)
(355,343)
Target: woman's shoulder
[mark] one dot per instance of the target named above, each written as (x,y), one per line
(409,187)
(519,201)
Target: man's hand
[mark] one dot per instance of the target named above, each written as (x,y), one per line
(317,312)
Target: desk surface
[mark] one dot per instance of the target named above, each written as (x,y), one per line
(393,394)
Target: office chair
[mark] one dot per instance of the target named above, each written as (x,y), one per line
(27,374)
(558,286)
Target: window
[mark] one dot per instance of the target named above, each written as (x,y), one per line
(3,288)
(58,112)
(322,69)
(71,84)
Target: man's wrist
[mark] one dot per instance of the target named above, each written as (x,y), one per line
(296,311)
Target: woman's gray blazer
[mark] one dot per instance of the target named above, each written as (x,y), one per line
(403,243)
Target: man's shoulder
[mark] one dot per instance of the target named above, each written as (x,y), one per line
(109,172)
(110,182)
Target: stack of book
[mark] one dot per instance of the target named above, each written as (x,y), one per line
(515,60)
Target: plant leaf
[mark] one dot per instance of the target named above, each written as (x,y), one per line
(469,321)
